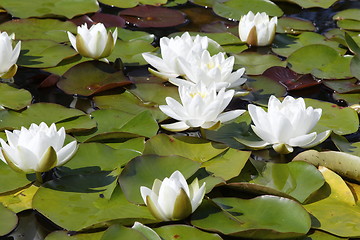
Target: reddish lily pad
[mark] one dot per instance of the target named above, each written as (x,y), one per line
(91,77)
(109,20)
(290,79)
(145,16)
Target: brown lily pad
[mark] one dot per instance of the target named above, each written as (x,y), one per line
(145,16)
(290,79)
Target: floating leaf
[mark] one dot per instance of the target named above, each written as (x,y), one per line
(351,99)
(34,28)
(234,9)
(43,53)
(13,98)
(321,61)
(145,16)
(118,232)
(91,195)
(349,24)
(344,146)
(351,13)
(109,20)
(8,220)
(338,119)
(41,8)
(345,164)
(294,25)
(286,44)
(333,207)
(12,180)
(91,77)
(116,124)
(151,167)
(62,235)
(192,148)
(132,3)
(184,232)
(264,217)
(343,86)
(313,3)
(256,63)
(297,179)
(37,113)
(19,200)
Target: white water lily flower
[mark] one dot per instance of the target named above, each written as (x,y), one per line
(200,106)
(95,42)
(172,198)
(8,55)
(37,149)
(171,49)
(209,70)
(257,30)
(285,125)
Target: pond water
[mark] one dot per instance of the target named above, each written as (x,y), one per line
(281,76)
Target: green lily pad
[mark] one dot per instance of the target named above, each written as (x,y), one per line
(116,124)
(11,180)
(130,52)
(204,3)
(313,3)
(294,25)
(345,164)
(19,200)
(334,208)
(43,53)
(132,3)
(147,168)
(352,13)
(234,9)
(350,98)
(33,28)
(343,86)
(184,232)
(297,179)
(37,113)
(129,103)
(95,157)
(41,8)
(196,149)
(345,146)
(78,124)
(63,235)
(286,44)
(264,217)
(87,201)
(118,232)
(256,63)
(129,35)
(13,98)
(321,61)
(91,77)
(338,119)
(8,220)
(349,24)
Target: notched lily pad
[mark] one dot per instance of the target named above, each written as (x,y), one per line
(145,16)
(13,98)
(91,77)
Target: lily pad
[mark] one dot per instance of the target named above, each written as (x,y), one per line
(192,148)
(91,77)
(63,235)
(37,113)
(345,164)
(116,124)
(129,103)
(33,28)
(343,86)
(132,3)
(234,9)
(19,200)
(334,207)
(286,44)
(345,146)
(12,180)
(321,61)
(294,25)
(118,232)
(338,119)
(109,20)
(184,232)
(129,35)
(353,98)
(349,24)
(352,13)
(147,168)
(146,16)
(8,220)
(42,8)
(96,205)
(264,217)
(313,3)
(256,63)
(43,53)
(13,98)
(297,179)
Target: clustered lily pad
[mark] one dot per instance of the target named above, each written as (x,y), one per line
(243,163)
